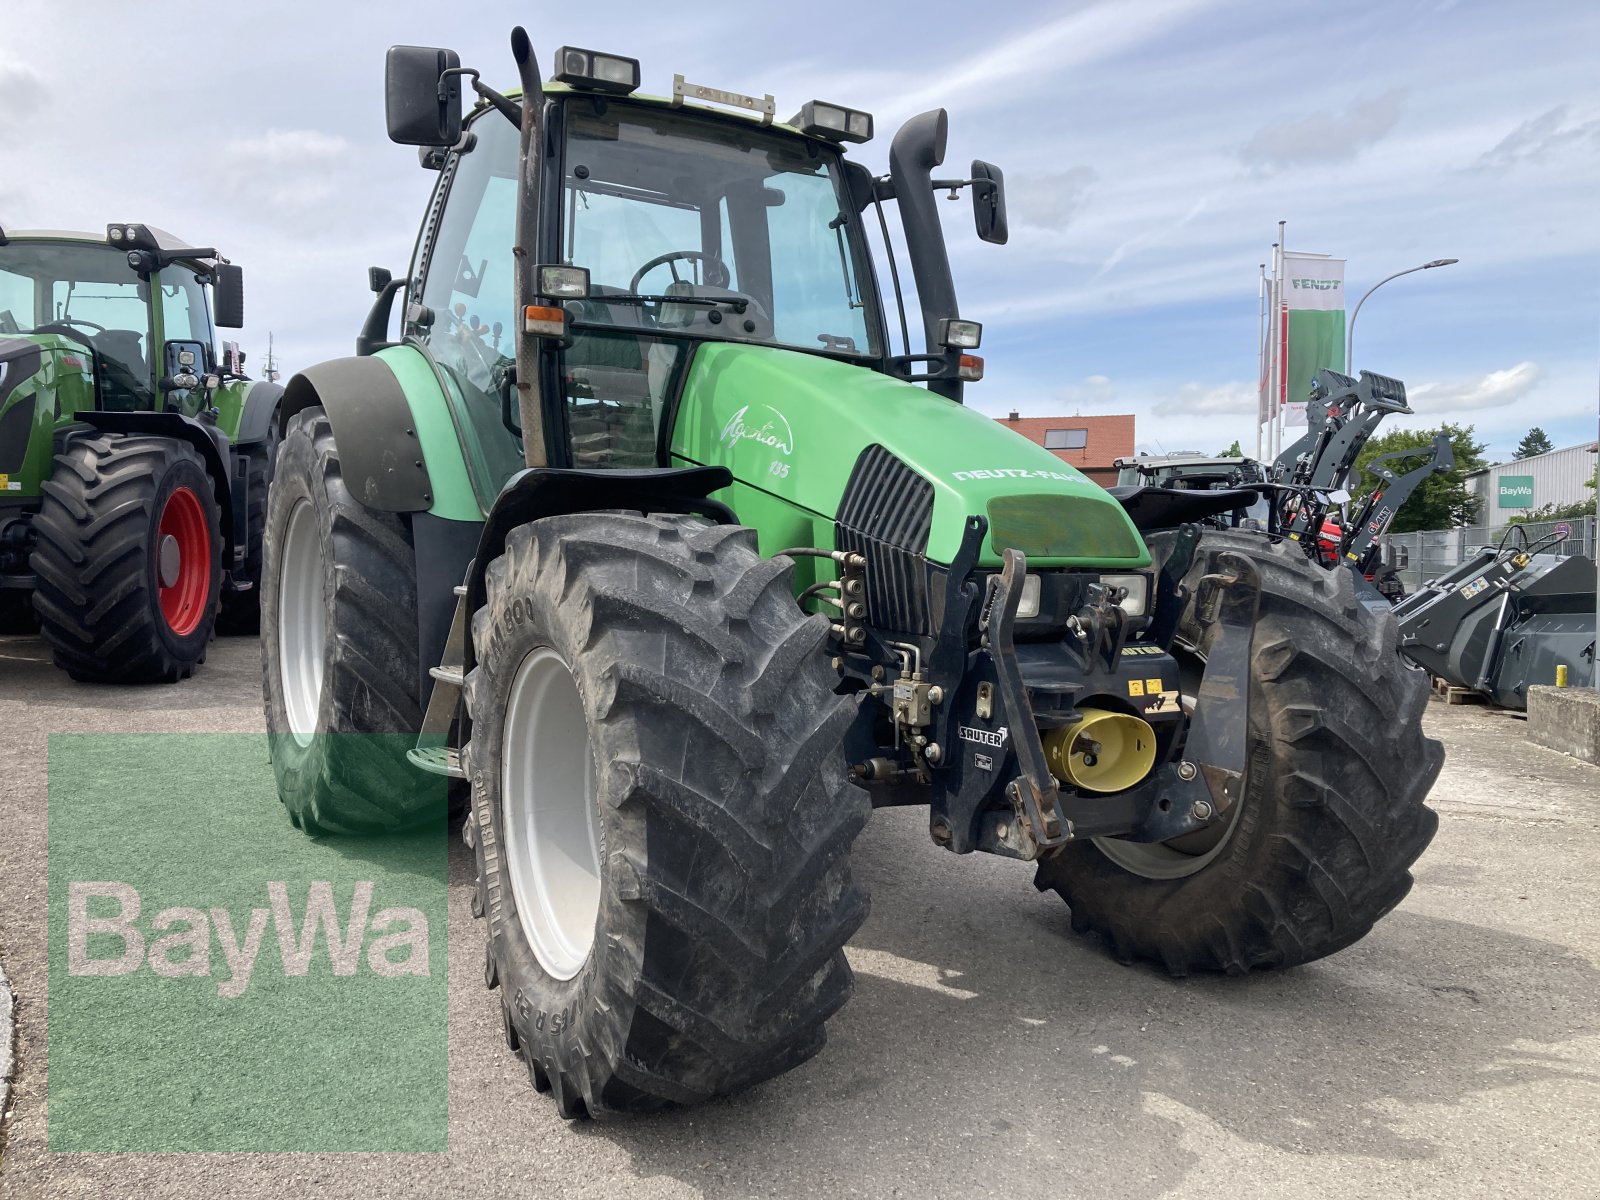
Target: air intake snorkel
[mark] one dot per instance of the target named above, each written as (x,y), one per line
(917,149)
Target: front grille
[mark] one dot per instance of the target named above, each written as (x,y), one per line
(885,515)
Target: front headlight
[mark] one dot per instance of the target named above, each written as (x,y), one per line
(1028,606)
(1137,601)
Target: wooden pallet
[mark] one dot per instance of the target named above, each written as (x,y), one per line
(1457,695)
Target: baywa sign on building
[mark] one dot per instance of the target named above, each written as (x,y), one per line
(1514,491)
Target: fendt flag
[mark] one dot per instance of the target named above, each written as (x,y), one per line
(1313,297)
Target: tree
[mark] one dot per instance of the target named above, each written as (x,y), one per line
(1534,442)
(1233,451)
(1443,500)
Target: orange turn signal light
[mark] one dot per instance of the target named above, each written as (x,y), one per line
(543,321)
(970,368)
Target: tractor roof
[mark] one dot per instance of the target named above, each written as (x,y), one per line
(698,108)
(164,240)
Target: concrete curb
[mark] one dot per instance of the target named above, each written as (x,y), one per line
(8,1061)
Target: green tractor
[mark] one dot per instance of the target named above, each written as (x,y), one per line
(644,543)
(133,461)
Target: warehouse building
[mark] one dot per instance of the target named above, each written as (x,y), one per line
(1514,488)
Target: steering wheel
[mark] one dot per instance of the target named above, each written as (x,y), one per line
(69,321)
(711,266)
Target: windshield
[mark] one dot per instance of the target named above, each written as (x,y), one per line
(87,293)
(745,228)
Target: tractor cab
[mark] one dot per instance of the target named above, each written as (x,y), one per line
(659,226)
(127,313)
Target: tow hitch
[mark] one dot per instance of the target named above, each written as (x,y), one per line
(1195,787)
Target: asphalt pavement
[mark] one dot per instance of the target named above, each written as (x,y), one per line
(988,1050)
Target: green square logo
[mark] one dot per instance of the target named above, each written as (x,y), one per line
(1514,491)
(220,981)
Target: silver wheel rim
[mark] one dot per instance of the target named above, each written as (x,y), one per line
(302,622)
(552,820)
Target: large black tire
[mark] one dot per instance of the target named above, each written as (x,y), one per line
(241,610)
(1333,812)
(724,819)
(96,559)
(349,774)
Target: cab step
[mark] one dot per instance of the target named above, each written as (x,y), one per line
(437,760)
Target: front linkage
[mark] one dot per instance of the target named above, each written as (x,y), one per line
(1019,749)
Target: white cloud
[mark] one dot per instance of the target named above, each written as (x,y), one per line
(1048,201)
(1209,400)
(21,95)
(286,169)
(1538,136)
(1324,137)
(1497,389)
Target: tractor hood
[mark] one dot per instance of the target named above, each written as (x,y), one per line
(792,427)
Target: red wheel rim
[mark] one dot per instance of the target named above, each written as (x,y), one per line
(185,588)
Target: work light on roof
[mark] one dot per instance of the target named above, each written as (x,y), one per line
(591,71)
(833,121)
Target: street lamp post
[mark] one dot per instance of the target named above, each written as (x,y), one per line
(1350,334)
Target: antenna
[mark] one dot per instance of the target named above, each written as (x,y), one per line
(271,371)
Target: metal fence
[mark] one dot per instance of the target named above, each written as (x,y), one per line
(1427,555)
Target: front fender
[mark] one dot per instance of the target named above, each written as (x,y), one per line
(398,447)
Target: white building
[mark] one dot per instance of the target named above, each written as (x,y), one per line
(1514,488)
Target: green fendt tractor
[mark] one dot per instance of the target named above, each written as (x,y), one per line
(133,463)
(644,540)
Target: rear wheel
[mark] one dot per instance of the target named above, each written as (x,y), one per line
(661,823)
(339,655)
(128,559)
(1332,817)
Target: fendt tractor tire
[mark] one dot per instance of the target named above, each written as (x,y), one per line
(1333,812)
(689,721)
(128,559)
(241,610)
(339,648)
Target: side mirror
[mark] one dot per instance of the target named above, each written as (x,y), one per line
(422,104)
(227,295)
(378,278)
(989,202)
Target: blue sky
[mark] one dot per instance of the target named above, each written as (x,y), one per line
(1150,148)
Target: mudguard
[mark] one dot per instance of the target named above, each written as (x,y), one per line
(380,453)
(260,411)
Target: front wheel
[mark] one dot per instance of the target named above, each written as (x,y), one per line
(661,821)
(339,647)
(1332,817)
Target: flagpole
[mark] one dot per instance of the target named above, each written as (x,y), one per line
(1261,352)
(1277,338)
